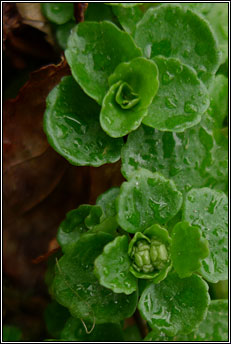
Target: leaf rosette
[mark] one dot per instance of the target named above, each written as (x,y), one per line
(149,253)
(133,85)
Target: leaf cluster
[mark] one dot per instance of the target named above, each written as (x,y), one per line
(156,242)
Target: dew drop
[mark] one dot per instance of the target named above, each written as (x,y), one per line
(167,78)
(170,103)
(127,284)
(190,108)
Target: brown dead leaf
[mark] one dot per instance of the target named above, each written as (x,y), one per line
(31,14)
(11,19)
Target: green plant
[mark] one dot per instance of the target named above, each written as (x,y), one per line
(155,242)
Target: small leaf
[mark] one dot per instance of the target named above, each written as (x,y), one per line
(58,13)
(162,30)
(209,209)
(97,57)
(181,100)
(107,201)
(175,305)
(94,217)
(74,330)
(72,127)
(71,229)
(133,86)
(76,287)
(63,33)
(128,17)
(188,249)
(112,267)
(147,198)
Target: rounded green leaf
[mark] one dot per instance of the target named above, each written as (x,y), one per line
(181,100)
(183,157)
(71,229)
(112,267)
(94,217)
(93,58)
(74,330)
(147,198)
(175,305)
(128,17)
(58,12)
(162,30)
(149,253)
(107,201)
(188,249)
(217,16)
(209,209)
(72,127)
(76,287)
(63,32)
(133,87)
(214,328)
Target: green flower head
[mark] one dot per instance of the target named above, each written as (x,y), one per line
(149,253)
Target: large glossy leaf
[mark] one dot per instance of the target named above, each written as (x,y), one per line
(74,330)
(217,16)
(133,85)
(208,209)
(181,100)
(77,288)
(188,249)
(175,305)
(92,56)
(72,127)
(112,267)
(147,198)
(163,29)
(187,158)
(214,328)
